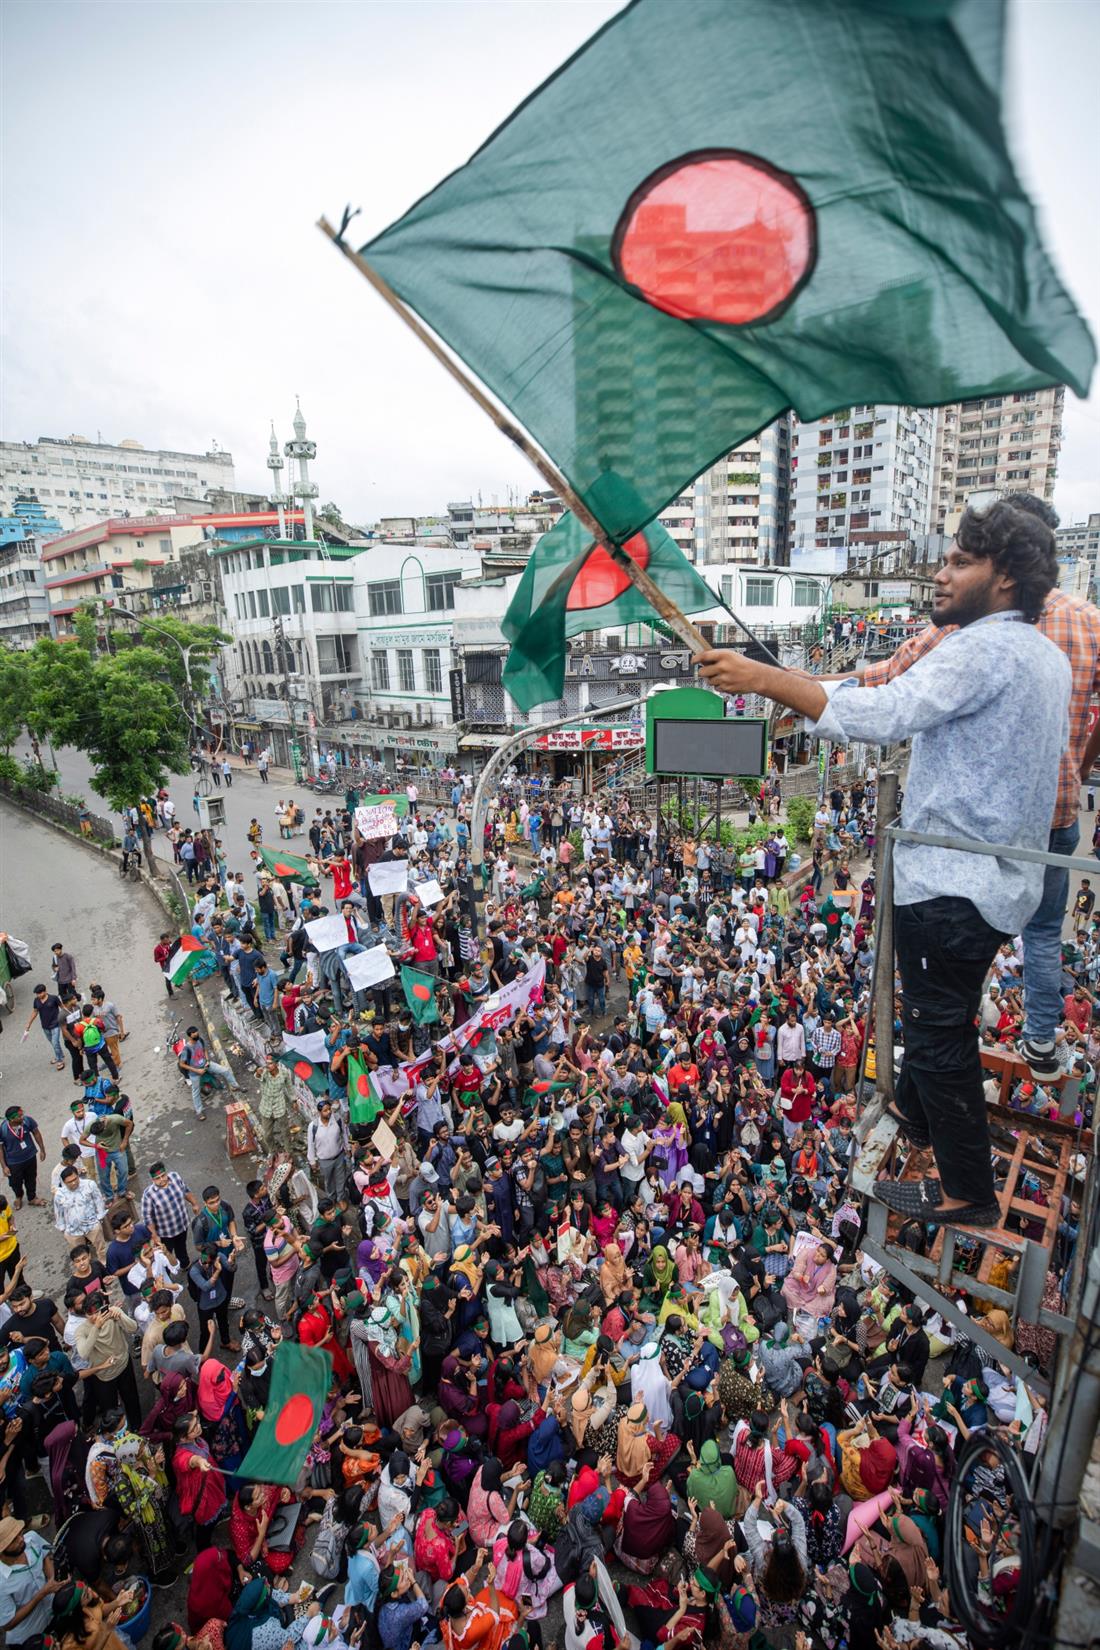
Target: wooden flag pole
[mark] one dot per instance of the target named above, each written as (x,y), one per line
(680,625)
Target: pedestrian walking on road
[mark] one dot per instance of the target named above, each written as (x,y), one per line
(22,1148)
(326,1148)
(64,967)
(164,1205)
(78,1209)
(261,766)
(227,774)
(113,1029)
(276,1099)
(46,1009)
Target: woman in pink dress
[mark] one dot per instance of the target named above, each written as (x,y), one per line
(810,1285)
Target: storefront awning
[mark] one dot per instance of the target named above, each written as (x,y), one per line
(482,741)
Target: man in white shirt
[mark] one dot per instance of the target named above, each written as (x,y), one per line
(790,1041)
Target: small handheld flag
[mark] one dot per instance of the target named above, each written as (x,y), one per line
(419,992)
(363,1104)
(184,957)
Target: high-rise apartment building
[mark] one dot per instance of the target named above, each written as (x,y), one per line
(82,482)
(862,470)
(737,510)
(998,443)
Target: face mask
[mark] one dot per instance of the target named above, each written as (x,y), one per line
(258,1369)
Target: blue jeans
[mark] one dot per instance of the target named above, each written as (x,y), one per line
(268,920)
(53,1037)
(1043,944)
(118,1160)
(597,1000)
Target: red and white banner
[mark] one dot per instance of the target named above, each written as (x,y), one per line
(602,739)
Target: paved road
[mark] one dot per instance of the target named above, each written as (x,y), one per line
(53,889)
(246,799)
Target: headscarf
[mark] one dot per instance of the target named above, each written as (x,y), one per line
(632,1450)
(59,1448)
(710,1538)
(996,1321)
(649,1524)
(711,1483)
(545,1445)
(661,1268)
(380,1330)
(909,1547)
(580,1413)
(614,1275)
(876,1465)
(255,1608)
(209,1590)
(215,1389)
(543,1354)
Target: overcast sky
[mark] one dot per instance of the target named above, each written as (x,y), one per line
(163,165)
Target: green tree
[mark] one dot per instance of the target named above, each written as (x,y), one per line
(800,816)
(204,641)
(13,695)
(136,735)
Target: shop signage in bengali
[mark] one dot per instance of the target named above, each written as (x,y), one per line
(652,664)
(601,739)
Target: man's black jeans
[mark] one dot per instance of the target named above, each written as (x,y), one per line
(944,951)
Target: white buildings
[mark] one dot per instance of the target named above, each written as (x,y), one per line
(863,471)
(81,481)
(1001,443)
(737,510)
(1080,540)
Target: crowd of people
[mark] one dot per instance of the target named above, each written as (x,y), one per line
(609,1365)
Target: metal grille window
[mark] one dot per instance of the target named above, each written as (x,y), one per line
(805,593)
(433,671)
(384,598)
(758,593)
(380,671)
(406,674)
(280,598)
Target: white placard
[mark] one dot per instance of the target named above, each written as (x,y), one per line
(388,876)
(428,893)
(327,933)
(311,1046)
(375,822)
(367,968)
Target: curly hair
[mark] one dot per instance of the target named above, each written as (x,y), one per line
(1019,544)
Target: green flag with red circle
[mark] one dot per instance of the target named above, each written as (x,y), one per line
(300,1379)
(313,1076)
(363,1104)
(572,584)
(287,867)
(717,210)
(419,992)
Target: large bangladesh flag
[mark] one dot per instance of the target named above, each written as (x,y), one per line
(419,989)
(572,584)
(718,209)
(313,1076)
(300,1379)
(363,1104)
(287,867)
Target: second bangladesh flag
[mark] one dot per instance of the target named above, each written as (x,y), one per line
(288,867)
(571,584)
(363,1104)
(300,1379)
(419,992)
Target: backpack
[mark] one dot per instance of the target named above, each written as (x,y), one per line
(92,1034)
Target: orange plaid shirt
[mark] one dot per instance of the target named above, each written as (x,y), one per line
(1072,625)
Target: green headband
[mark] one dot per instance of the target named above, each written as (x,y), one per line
(706,1581)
